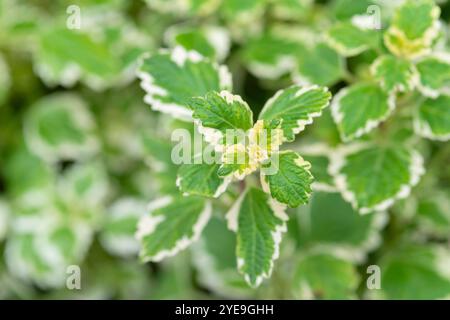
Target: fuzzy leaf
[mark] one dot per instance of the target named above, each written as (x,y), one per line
(171,225)
(394,74)
(259,223)
(434,75)
(172,79)
(350,40)
(296,107)
(372,178)
(432,120)
(359,108)
(291,179)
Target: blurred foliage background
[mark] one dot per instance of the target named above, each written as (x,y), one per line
(81,155)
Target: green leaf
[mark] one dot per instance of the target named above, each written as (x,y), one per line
(372,178)
(66,55)
(172,79)
(324,276)
(171,225)
(433,215)
(434,75)
(201,179)
(415,272)
(215,113)
(210,41)
(296,107)
(259,223)
(413,29)
(432,119)
(269,56)
(320,65)
(360,108)
(214,256)
(394,74)
(319,157)
(329,222)
(350,40)
(61,127)
(290,180)
(117,235)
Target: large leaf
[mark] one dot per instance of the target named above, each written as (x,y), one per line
(360,108)
(171,225)
(296,107)
(434,75)
(61,127)
(372,178)
(394,74)
(259,223)
(172,79)
(433,118)
(291,179)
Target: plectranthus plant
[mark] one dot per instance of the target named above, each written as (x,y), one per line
(184,149)
(194,88)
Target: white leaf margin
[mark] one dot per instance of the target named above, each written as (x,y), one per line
(416,170)
(301,123)
(370,124)
(427,91)
(279,211)
(148,224)
(423,129)
(178,55)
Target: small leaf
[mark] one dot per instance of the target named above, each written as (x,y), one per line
(296,107)
(372,178)
(172,79)
(350,40)
(61,127)
(320,65)
(259,223)
(171,225)
(394,74)
(201,179)
(413,29)
(325,276)
(290,180)
(434,75)
(432,120)
(215,113)
(360,108)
